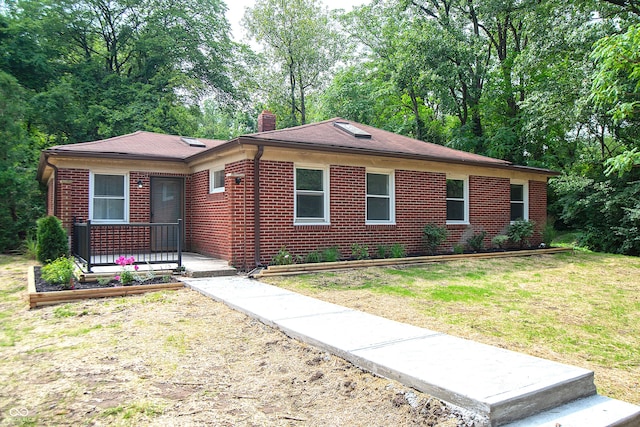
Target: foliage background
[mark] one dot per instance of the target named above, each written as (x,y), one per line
(546,83)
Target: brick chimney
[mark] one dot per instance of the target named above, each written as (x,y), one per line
(266,121)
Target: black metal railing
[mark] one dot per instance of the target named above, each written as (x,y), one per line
(102,244)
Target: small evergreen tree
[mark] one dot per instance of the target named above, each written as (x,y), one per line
(432,236)
(520,232)
(52,239)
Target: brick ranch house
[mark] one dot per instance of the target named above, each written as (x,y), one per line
(327,184)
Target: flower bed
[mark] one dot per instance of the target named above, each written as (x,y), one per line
(41,293)
(276,270)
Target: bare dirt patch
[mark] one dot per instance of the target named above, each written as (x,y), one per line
(179,358)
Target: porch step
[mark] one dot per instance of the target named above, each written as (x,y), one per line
(197,265)
(218,272)
(593,411)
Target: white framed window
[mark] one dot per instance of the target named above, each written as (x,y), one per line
(457,200)
(216,180)
(311,201)
(109,197)
(380,197)
(519,200)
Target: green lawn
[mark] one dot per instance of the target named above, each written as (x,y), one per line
(578,308)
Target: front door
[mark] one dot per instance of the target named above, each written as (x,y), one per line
(167,203)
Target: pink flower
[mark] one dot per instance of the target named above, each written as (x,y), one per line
(117,277)
(136,267)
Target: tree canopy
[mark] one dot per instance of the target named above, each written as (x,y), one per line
(543,83)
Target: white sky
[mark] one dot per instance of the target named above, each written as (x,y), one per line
(236,9)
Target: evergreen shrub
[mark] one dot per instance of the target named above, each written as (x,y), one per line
(51,239)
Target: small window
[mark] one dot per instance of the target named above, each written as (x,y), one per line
(311,196)
(519,201)
(109,198)
(380,198)
(457,201)
(216,181)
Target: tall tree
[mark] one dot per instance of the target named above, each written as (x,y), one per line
(116,66)
(83,70)
(21,199)
(300,43)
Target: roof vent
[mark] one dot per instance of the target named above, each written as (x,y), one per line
(192,142)
(352,130)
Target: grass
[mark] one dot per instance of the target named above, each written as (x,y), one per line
(579,308)
(133,410)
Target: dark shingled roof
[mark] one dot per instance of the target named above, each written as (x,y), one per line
(323,136)
(140,145)
(326,135)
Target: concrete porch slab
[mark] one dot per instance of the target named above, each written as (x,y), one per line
(196,265)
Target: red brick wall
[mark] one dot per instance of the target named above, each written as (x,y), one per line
(73,201)
(419,199)
(51,190)
(216,221)
(72,196)
(139,198)
(538,208)
(489,210)
(222,224)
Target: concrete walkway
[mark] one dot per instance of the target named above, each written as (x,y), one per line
(501,386)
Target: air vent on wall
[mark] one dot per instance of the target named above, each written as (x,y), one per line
(352,130)
(192,142)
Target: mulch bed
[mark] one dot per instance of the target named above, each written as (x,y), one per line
(44,286)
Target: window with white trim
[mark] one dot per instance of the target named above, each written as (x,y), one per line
(311,204)
(519,200)
(457,201)
(380,198)
(109,199)
(216,180)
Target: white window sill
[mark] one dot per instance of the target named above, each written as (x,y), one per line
(217,190)
(298,223)
(380,223)
(458,223)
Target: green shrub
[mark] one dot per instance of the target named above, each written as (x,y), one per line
(432,236)
(606,210)
(398,251)
(313,257)
(548,234)
(283,257)
(500,241)
(383,251)
(458,248)
(476,242)
(359,251)
(60,271)
(520,231)
(30,248)
(52,240)
(331,255)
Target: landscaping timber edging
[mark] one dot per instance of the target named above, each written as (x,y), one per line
(292,269)
(39,299)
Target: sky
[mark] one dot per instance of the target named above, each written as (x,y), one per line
(237,7)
